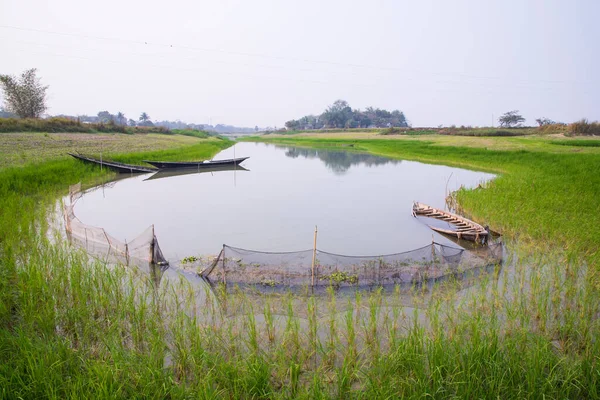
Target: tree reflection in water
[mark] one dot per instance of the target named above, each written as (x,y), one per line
(339,161)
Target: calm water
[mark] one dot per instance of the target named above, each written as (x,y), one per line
(360,203)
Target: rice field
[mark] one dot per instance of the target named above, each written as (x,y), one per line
(71,328)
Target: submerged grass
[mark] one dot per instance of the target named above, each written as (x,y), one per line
(74,329)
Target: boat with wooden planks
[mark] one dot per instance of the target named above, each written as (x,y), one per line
(196,164)
(464,228)
(113,165)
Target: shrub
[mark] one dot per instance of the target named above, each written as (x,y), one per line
(151,129)
(43,125)
(552,128)
(584,127)
(408,131)
(391,131)
(192,132)
(56,125)
(469,131)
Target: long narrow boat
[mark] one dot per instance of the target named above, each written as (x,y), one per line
(464,228)
(196,164)
(113,165)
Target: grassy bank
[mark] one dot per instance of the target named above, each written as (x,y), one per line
(19,149)
(579,128)
(69,329)
(66,125)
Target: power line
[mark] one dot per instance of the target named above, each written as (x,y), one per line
(276,57)
(487,87)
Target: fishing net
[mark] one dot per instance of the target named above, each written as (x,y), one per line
(315,268)
(97,242)
(320,268)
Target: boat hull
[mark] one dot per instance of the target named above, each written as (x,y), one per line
(465,228)
(115,166)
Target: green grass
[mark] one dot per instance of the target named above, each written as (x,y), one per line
(19,149)
(450,131)
(192,132)
(408,131)
(74,329)
(488,131)
(577,143)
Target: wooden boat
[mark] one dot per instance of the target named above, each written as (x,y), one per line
(113,165)
(169,172)
(196,164)
(464,228)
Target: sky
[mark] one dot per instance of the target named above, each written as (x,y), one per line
(261,62)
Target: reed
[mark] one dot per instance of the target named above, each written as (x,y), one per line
(72,328)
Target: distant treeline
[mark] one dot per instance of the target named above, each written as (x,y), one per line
(579,128)
(341,115)
(105,117)
(55,125)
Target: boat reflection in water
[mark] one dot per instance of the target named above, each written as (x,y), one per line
(167,173)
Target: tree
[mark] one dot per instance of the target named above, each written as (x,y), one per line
(121,120)
(292,125)
(144,117)
(25,97)
(104,117)
(132,122)
(145,120)
(511,119)
(544,121)
(337,114)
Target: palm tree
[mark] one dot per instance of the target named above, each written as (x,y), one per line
(121,120)
(144,117)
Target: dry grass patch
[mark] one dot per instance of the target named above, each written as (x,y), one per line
(18,149)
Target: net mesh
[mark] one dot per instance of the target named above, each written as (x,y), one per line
(241,266)
(99,243)
(289,269)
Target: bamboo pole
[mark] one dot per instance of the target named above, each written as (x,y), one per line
(432,252)
(223,269)
(314,259)
(152,244)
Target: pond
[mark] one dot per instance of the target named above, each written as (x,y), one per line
(361,203)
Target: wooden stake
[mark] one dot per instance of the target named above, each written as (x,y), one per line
(223,269)
(432,251)
(314,259)
(152,244)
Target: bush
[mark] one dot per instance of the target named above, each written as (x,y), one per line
(407,131)
(468,131)
(55,125)
(552,128)
(192,132)
(392,131)
(150,129)
(584,127)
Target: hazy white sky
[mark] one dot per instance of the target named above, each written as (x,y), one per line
(264,62)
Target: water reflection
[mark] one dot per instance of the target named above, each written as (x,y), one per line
(338,161)
(168,173)
(361,203)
